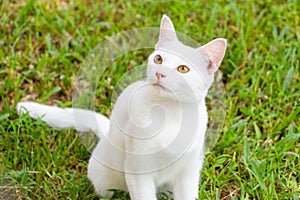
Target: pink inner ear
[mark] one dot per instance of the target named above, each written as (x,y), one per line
(212,67)
(167,30)
(216,51)
(166,24)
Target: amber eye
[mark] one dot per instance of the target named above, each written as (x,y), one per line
(158,59)
(183,69)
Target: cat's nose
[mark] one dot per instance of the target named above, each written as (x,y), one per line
(160,75)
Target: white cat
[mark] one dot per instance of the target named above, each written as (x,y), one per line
(154,140)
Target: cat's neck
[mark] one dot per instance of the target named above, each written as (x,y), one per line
(160,95)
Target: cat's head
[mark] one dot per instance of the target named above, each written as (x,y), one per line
(177,70)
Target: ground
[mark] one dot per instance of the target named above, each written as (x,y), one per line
(43,44)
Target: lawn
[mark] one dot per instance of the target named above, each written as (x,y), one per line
(42,47)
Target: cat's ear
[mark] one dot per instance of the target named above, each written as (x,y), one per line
(167,31)
(215,51)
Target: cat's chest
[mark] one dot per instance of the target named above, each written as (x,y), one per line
(148,123)
(151,115)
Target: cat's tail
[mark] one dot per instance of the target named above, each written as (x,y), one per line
(65,118)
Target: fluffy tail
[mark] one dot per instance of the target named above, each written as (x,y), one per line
(65,118)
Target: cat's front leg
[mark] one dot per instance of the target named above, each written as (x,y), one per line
(186,183)
(141,186)
(186,187)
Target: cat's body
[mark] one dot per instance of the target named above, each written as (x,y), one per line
(144,173)
(154,141)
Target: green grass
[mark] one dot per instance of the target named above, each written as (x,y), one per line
(42,45)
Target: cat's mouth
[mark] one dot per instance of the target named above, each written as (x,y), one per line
(160,86)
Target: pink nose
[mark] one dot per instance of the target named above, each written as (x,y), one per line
(159,75)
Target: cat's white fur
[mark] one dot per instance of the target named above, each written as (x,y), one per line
(154,140)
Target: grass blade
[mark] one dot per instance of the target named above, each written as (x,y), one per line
(288,79)
(48,94)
